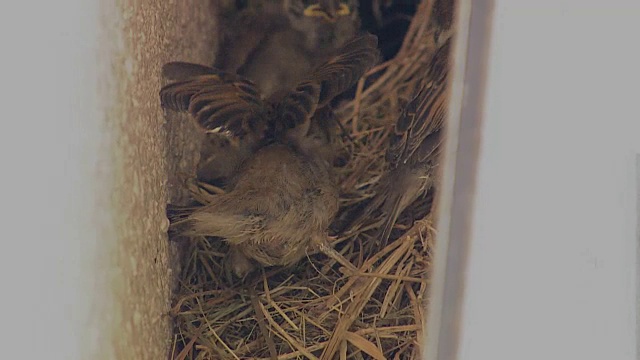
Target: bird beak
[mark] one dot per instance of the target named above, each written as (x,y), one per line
(327,10)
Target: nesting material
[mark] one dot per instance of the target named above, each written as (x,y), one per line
(317,309)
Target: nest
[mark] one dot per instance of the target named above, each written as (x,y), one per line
(313,310)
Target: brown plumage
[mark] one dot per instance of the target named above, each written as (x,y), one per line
(281,197)
(228,107)
(414,146)
(276,43)
(442,18)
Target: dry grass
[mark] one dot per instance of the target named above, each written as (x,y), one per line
(314,310)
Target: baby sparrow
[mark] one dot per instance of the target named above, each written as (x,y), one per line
(414,146)
(277,43)
(281,195)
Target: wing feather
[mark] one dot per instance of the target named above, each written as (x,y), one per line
(424,115)
(327,81)
(217,100)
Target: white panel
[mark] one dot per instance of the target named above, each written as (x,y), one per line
(49,142)
(552,264)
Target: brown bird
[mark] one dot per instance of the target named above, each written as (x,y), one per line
(282,196)
(277,44)
(442,18)
(414,146)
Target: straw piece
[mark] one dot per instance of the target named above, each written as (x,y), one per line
(364,345)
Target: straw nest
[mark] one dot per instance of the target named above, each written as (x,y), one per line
(313,310)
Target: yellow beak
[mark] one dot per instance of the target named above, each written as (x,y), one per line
(317,10)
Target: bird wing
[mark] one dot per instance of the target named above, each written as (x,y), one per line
(424,115)
(430,147)
(344,69)
(217,100)
(327,81)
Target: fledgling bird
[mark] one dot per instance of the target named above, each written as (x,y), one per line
(414,146)
(276,44)
(282,196)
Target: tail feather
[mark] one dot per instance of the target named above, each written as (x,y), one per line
(233,227)
(396,207)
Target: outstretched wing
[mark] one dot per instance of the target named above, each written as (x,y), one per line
(327,81)
(343,70)
(217,100)
(424,115)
